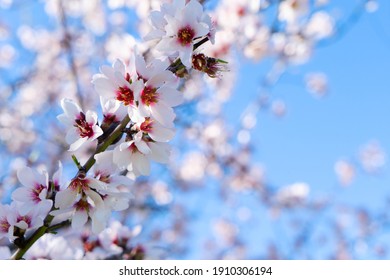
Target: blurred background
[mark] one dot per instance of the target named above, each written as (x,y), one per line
(283,156)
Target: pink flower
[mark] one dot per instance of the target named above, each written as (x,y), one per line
(81,127)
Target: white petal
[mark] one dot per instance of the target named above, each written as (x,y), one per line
(120,67)
(159,79)
(79,219)
(142,147)
(63,118)
(104,87)
(91,117)
(76,145)
(185,54)
(163,113)
(71,109)
(161,134)
(65,198)
(160,152)
(171,96)
(22,194)
(142,164)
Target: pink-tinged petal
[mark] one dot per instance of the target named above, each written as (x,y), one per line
(161,134)
(141,164)
(91,117)
(163,114)
(79,219)
(97,131)
(64,119)
(160,152)
(65,198)
(119,66)
(170,96)
(71,109)
(76,145)
(57,176)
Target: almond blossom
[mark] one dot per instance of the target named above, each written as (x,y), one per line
(81,128)
(179,26)
(135,155)
(34,191)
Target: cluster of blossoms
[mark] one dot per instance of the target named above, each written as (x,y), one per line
(137,101)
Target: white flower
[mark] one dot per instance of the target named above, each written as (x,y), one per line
(135,155)
(291,10)
(34,191)
(153,128)
(179,26)
(113,110)
(81,127)
(14,224)
(116,83)
(132,156)
(79,202)
(158,94)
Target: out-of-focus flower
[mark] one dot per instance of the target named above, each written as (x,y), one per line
(291,10)
(317,84)
(293,195)
(345,172)
(81,127)
(372,157)
(320,26)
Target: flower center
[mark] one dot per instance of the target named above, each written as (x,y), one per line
(25,219)
(185,35)
(149,95)
(147,125)
(85,129)
(36,191)
(4,225)
(82,205)
(79,185)
(125,95)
